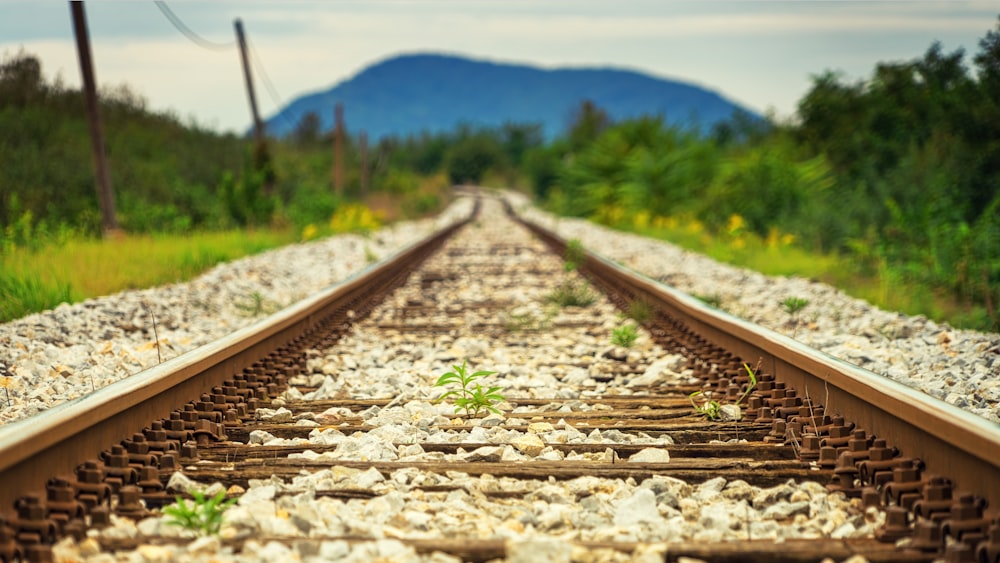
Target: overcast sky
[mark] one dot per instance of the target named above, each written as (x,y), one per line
(759,54)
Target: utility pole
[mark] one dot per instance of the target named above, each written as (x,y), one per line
(105,192)
(258,125)
(261,157)
(338,149)
(363,149)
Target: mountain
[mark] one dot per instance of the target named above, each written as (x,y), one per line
(409,94)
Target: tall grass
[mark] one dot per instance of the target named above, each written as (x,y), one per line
(23,295)
(778,255)
(37,279)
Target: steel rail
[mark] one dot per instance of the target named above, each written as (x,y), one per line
(951,442)
(63,437)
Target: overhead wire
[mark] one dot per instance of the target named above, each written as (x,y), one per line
(187,32)
(268,85)
(215,46)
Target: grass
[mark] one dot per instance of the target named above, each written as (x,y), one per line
(33,281)
(792,305)
(203,515)
(572,293)
(639,311)
(712,409)
(624,335)
(885,289)
(574,256)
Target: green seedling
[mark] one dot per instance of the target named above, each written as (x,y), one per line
(794,304)
(639,311)
(472,398)
(624,335)
(202,515)
(713,300)
(574,255)
(711,408)
(525,322)
(572,293)
(256,304)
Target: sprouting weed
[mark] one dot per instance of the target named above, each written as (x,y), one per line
(624,335)
(525,322)
(572,293)
(202,515)
(793,305)
(471,398)
(256,304)
(713,300)
(639,311)
(574,255)
(712,409)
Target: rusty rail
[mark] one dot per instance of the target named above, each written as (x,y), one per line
(76,431)
(946,441)
(949,441)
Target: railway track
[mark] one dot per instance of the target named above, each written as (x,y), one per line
(323,422)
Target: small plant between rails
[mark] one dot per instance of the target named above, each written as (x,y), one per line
(639,311)
(471,398)
(714,410)
(201,515)
(574,255)
(625,335)
(572,293)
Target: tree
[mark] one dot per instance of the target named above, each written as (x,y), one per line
(518,138)
(470,159)
(307,129)
(20,80)
(586,124)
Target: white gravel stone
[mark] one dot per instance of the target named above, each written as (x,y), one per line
(538,550)
(638,508)
(368,364)
(961,367)
(650,455)
(275,416)
(65,353)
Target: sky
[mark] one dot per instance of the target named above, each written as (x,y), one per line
(759,54)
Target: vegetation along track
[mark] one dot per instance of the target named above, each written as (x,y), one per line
(323,422)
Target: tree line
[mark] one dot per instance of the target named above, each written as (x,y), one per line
(899,171)
(172,175)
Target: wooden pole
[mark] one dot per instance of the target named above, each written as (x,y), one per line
(102,175)
(338,149)
(258,125)
(261,157)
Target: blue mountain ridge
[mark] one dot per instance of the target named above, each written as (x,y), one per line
(414,93)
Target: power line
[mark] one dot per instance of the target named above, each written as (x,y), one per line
(194,37)
(268,85)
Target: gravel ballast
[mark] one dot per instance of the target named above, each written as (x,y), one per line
(65,353)
(570,363)
(960,367)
